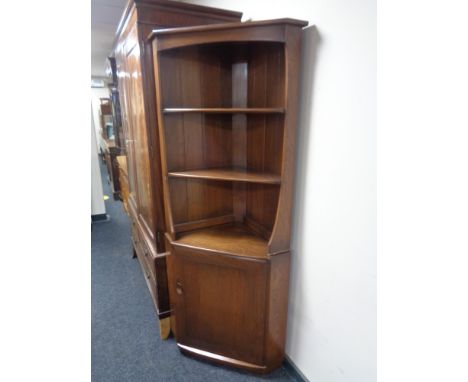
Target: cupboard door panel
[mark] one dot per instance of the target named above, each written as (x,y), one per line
(220,304)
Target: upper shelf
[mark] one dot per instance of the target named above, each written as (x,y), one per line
(227,174)
(226,110)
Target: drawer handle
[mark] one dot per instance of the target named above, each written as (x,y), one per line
(147,275)
(145,251)
(179,288)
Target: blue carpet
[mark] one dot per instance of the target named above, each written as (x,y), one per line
(125,333)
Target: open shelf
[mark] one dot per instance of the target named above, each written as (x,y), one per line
(227,174)
(234,239)
(226,110)
(223,128)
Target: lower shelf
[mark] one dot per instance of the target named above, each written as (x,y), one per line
(233,239)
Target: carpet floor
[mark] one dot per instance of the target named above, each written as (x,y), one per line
(125,335)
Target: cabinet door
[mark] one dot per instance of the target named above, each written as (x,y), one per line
(220,304)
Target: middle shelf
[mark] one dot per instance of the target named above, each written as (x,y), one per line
(226,110)
(228,174)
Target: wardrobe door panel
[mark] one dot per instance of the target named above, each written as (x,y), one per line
(140,140)
(124,89)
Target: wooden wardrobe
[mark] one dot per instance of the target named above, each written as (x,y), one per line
(227,108)
(139,121)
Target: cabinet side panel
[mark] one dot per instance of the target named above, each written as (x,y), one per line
(281,234)
(277,310)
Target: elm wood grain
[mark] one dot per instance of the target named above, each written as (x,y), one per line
(256,227)
(277,313)
(124,89)
(228,268)
(219,329)
(201,77)
(203,223)
(206,199)
(133,58)
(239,76)
(173,13)
(233,175)
(233,239)
(219,110)
(220,303)
(140,142)
(281,233)
(269,30)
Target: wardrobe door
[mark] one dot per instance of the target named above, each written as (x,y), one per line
(140,140)
(124,89)
(220,304)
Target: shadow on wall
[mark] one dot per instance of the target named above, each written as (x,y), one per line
(310,46)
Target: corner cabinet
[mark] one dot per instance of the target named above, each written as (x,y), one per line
(227,106)
(139,126)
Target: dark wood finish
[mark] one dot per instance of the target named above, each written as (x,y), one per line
(144,200)
(219,110)
(231,239)
(202,223)
(227,99)
(235,175)
(213,292)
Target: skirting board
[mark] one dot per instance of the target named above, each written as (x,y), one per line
(293,370)
(99,218)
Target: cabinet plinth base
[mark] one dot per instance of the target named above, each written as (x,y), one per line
(226,361)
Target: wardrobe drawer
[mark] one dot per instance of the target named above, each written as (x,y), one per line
(141,258)
(148,258)
(147,273)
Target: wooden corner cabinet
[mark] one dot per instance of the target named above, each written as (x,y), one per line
(139,126)
(227,105)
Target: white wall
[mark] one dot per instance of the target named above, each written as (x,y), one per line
(332,311)
(97,196)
